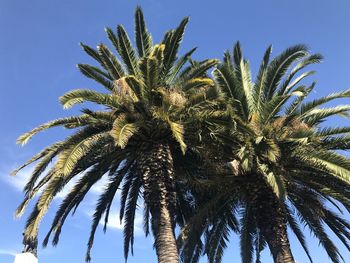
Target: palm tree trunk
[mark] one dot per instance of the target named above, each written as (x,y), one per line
(272,221)
(156,167)
(274,229)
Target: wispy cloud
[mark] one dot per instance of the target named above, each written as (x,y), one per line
(96,189)
(99,187)
(10,252)
(19,181)
(114,220)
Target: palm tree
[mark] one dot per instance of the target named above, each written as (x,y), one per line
(278,166)
(133,138)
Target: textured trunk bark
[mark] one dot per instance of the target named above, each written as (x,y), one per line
(277,240)
(272,221)
(156,167)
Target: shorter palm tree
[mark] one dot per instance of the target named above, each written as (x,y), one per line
(286,169)
(133,140)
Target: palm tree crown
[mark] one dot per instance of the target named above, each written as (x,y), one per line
(133,140)
(286,168)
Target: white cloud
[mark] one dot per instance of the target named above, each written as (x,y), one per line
(99,187)
(18,181)
(114,220)
(10,252)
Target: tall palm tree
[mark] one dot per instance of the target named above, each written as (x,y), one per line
(133,138)
(286,167)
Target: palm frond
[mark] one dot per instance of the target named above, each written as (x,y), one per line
(311,59)
(126,51)
(92,53)
(129,218)
(82,120)
(178,133)
(123,130)
(103,203)
(298,232)
(142,36)
(261,79)
(68,158)
(75,196)
(307,107)
(73,97)
(150,72)
(316,116)
(279,65)
(172,44)
(246,235)
(114,67)
(179,65)
(97,75)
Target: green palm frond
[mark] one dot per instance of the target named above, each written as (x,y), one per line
(312,219)
(97,75)
(308,107)
(123,130)
(136,86)
(92,53)
(259,244)
(279,66)
(48,150)
(103,203)
(294,106)
(178,133)
(54,186)
(337,164)
(246,236)
(126,51)
(227,82)
(69,157)
(158,53)
(73,97)
(261,79)
(74,197)
(336,143)
(297,81)
(110,61)
(277,184)
(172,44)
(197,83)
(142,36)
(311,59)
(217,240)
(292,222)
(40,168)
(243,77)
(150,71)
(82,120)
(130,212)
(112,37)
(179,65)
(328,131)
(198,70)
(316,116)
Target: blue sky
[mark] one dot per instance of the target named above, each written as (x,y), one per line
(38,53)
